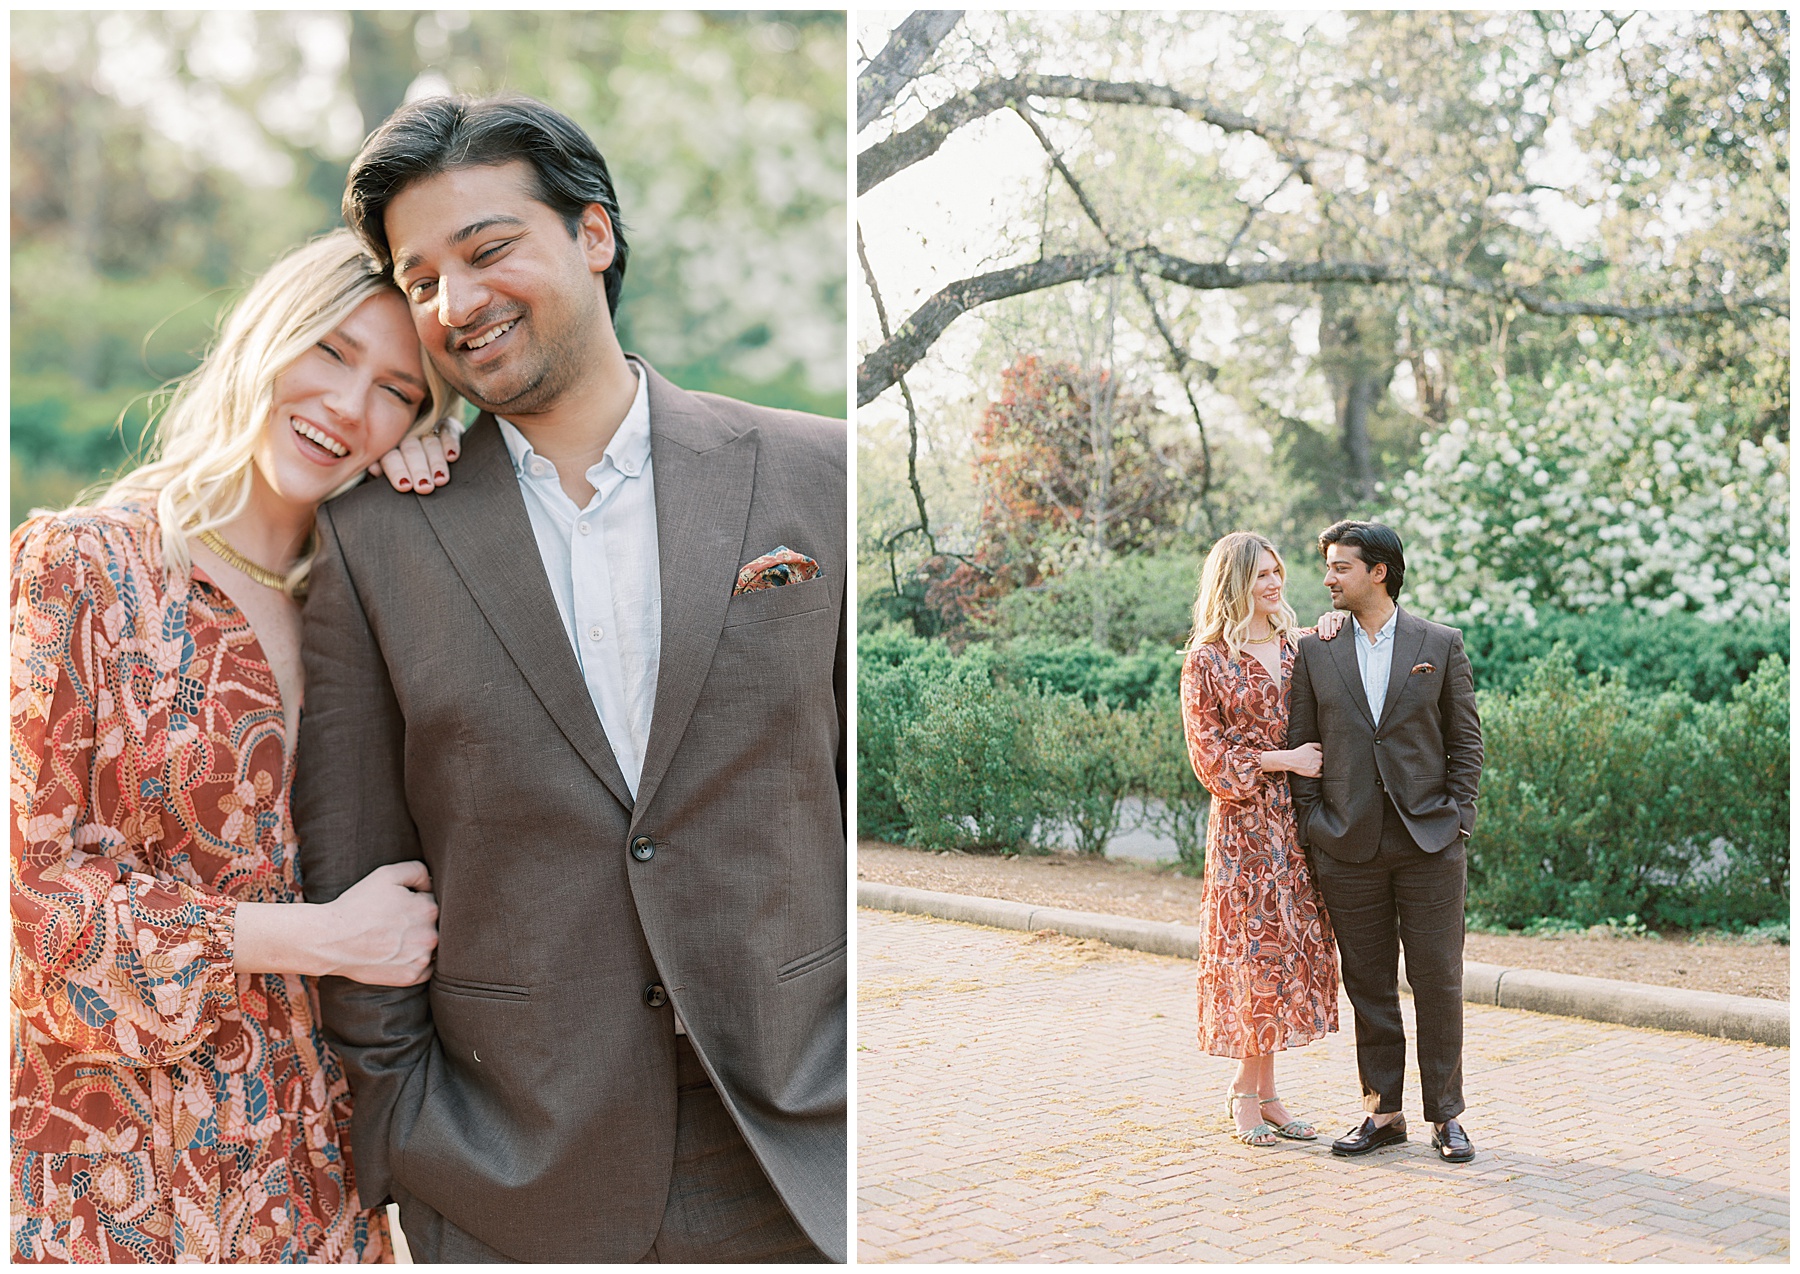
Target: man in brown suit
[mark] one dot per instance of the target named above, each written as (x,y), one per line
(1386,825)
(597,683)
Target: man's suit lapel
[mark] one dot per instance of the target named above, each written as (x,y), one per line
(1409,640)
(1343,657)
(704,472)
(481,521)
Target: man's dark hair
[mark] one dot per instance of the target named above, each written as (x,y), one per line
(1375,543)
(437,134)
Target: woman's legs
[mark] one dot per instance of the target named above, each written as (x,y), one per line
(1254,1075)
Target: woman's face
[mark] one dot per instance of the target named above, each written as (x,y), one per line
(1265,593)
(346,402)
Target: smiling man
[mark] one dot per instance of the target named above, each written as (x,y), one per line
(597,683)
(1386,825)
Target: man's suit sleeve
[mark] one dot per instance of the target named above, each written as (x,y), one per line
(840,684)
(350,811)
(1303,728)
(1462,732)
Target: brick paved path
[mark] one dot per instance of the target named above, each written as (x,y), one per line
(1031,1097)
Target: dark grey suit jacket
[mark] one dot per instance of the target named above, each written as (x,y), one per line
(1426,754)
(527,1093)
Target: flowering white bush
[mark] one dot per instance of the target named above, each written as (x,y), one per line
(1607,497)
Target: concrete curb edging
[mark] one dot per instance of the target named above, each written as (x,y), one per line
(1663,1008)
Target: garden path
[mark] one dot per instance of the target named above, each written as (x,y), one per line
(1030,1097)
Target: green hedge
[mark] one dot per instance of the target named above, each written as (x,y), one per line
(1599,803)
(1676,652)
(1598,800)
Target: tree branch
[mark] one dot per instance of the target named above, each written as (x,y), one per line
(898,353)
(892,69)
(892,154)
(912,420)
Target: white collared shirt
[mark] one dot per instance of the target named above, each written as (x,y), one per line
(1375,660)
(604,573)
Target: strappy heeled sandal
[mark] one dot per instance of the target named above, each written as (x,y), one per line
(1264,1134)
(1293,1129)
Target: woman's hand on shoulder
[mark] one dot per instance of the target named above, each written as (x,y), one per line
(1329,623)
(423,463)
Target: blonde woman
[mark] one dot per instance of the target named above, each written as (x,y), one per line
(1268,969)
(173,1096)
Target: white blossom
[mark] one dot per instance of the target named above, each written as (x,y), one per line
(1628,499)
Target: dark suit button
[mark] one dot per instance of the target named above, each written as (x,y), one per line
(643,849)
(1378,743)
(655,996)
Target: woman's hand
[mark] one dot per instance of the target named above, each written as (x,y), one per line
(383,929)
(1305,760)
(420,464)
(1329,623)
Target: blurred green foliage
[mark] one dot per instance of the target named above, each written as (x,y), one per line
(161,160)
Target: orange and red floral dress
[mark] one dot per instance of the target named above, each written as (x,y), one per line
(164,1106)
(1268,963)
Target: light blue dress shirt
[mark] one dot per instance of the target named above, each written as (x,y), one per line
(1375,660)
(604,573)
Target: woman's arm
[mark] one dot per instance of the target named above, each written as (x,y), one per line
(381,931)
(1230,772)
(106,960)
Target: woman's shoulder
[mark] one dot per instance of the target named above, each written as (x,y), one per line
(119,539)
(1207,659)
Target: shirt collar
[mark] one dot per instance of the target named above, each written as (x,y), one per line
(629,449)
(1384,632)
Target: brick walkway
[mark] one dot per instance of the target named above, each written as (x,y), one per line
(1034,1098)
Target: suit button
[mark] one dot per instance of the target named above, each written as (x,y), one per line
(643,849)
(1378,743)
(655,996)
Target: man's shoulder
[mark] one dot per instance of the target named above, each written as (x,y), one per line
(1435,630)
(781,425)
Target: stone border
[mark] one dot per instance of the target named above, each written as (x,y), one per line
(1663,1008)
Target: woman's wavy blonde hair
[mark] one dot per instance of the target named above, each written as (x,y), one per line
(1222,610)
(199,465)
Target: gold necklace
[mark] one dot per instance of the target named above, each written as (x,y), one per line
(261,574)
(1257,641)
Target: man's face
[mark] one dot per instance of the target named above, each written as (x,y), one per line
(505,300)
(1354,586)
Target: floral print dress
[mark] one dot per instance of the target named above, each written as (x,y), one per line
(1268,967)
(164,1106)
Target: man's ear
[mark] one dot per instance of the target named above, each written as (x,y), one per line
(1378,572)
(594,235)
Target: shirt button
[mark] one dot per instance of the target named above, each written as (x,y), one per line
(596,633)
(539,468)
(582,527)
(643,849)
(655,996)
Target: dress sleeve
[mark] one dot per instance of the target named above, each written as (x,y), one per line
(1229,771)
(129,966)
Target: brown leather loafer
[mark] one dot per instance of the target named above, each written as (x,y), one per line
(1452,1143)
(1370,1136)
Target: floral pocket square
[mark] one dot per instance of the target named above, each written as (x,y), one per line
(1419,668)
(772,570)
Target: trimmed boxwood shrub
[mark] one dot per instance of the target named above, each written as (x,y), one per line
(966,769)
(1676,652)
(1599,803)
